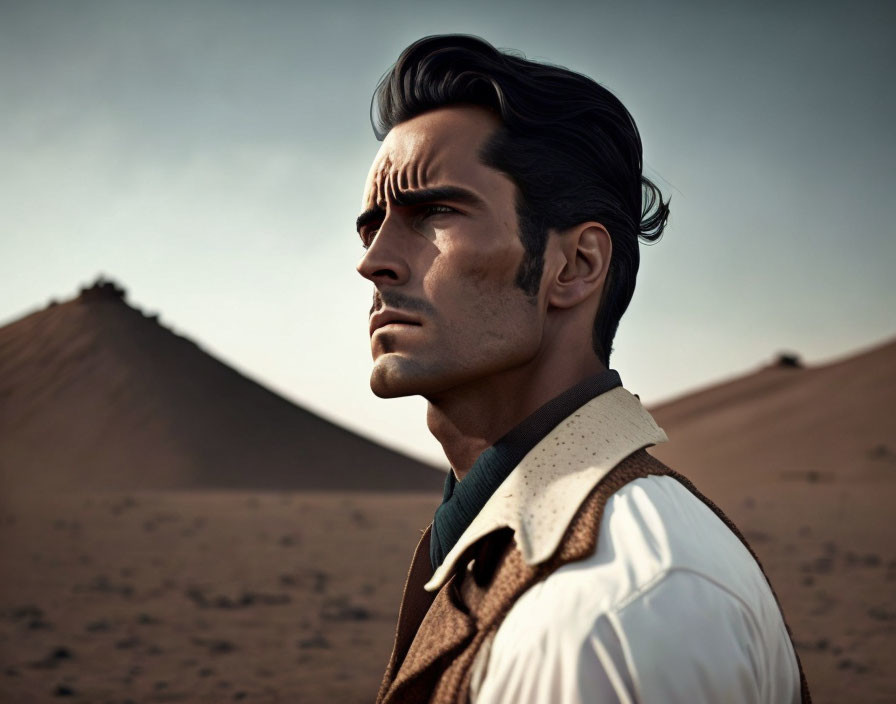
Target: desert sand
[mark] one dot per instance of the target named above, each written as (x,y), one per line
(134,572)
(203,596)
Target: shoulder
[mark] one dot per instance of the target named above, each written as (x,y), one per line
(670,607)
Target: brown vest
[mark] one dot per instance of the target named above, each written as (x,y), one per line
(439,634)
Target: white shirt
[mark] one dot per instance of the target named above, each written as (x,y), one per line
(671,607)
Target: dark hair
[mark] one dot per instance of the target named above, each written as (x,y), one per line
(570,146)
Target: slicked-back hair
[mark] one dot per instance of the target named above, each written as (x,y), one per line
(568,143)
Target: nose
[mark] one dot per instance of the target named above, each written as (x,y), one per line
(384,263)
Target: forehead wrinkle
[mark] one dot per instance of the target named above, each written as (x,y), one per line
(412,172)
(394,179)
(409,160)
(420,153)
(378,171)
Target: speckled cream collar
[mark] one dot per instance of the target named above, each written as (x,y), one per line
(541,495)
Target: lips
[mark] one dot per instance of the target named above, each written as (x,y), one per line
(390,317)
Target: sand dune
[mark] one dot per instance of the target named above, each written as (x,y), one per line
(783,423)
(96,395)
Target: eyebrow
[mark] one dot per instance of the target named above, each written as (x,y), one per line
(406,199)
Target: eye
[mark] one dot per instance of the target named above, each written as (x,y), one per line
(367,236)
(430,211)
(439,209)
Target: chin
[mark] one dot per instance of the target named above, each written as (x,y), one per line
(387,389)
(394,376)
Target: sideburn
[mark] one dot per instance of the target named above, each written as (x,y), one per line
(498,153)
(534,238)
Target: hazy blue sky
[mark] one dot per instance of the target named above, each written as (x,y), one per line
(210,157)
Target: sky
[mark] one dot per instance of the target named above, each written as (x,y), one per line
(210,158)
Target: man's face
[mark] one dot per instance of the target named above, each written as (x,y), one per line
(443,250)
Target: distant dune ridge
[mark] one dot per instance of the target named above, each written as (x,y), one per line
(96,395)
(786,423)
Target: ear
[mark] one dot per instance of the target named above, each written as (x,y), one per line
(582,258)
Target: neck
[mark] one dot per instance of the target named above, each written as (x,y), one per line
(468,419)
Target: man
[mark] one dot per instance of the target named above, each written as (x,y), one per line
(501,220)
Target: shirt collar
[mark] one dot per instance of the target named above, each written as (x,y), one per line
(462,501)
(540,497)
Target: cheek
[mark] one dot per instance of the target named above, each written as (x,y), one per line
(483,268)
(476,295)
(463,289)
(479,304)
